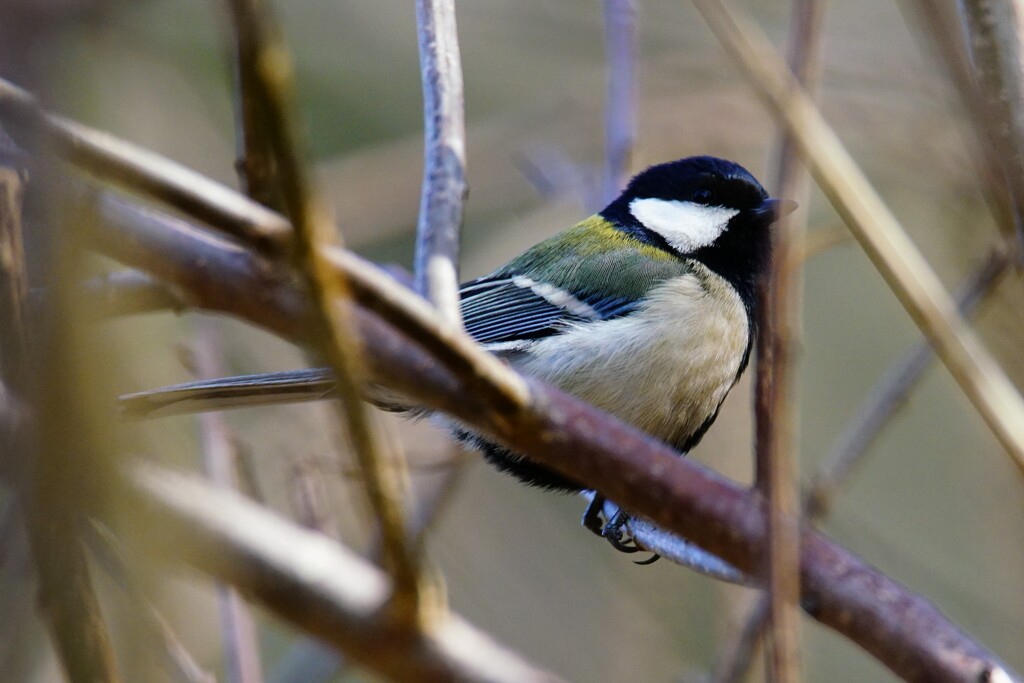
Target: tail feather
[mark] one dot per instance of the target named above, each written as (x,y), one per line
(269,388)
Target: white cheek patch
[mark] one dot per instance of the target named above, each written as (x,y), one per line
(686,226)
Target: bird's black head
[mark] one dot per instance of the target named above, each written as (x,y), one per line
(711,210)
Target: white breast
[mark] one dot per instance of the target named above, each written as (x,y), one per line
(665,368)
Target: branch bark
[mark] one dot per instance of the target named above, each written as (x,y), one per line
(877,230)
(902,630)
(436,263)
(313,582)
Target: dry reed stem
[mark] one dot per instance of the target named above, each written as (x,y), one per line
(272,78)
(877,230)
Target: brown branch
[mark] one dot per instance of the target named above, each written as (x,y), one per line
(444,173)
(877,410)
(139,170)
(902,630)
(777,410)
(254,159)
(877,230)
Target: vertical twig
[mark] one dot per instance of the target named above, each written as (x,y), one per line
(254,160)
(314,233)
(238,631)
(993,29)
(777,400)
(879,233)
(66,595)
(444,168)
(877,410)
(944,36)
(620,101)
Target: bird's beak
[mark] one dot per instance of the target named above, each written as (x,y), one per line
(773,209)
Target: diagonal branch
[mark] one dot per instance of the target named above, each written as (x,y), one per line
(313,582)
(139,170)
(273,82)
(877,230)
(903,630)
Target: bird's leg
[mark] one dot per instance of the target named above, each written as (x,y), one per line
(592,516)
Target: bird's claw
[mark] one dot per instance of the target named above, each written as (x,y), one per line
(614,530)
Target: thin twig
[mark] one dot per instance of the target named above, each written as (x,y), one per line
(273,81)
(238,631)
(903,630)
(877,230)
(254,159)
(307,661)
(444,169)
(620,101)
(238,215)
(777,399)
(314,583)
(942,29)
(891,392)
(122,293)
(877,410)
(109,554)
(142,171)
(993,30)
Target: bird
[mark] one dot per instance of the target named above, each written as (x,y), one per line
(646,309)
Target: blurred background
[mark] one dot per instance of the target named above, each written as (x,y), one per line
(937,505)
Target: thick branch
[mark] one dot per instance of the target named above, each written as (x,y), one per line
(904,631)
(139,170)
(313,582)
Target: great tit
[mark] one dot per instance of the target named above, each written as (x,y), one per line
(646,310)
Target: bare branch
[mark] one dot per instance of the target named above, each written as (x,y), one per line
(878,231)
(880,407)
(127,292)
(67,599)
(776,399)
(889,394)
(238,632)
(901,629)
(941,28)
(314,583)
(272,79)
(444,172)
(620,101)
(994,37)
(141,171)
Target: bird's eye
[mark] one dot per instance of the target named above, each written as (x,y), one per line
(702,195)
